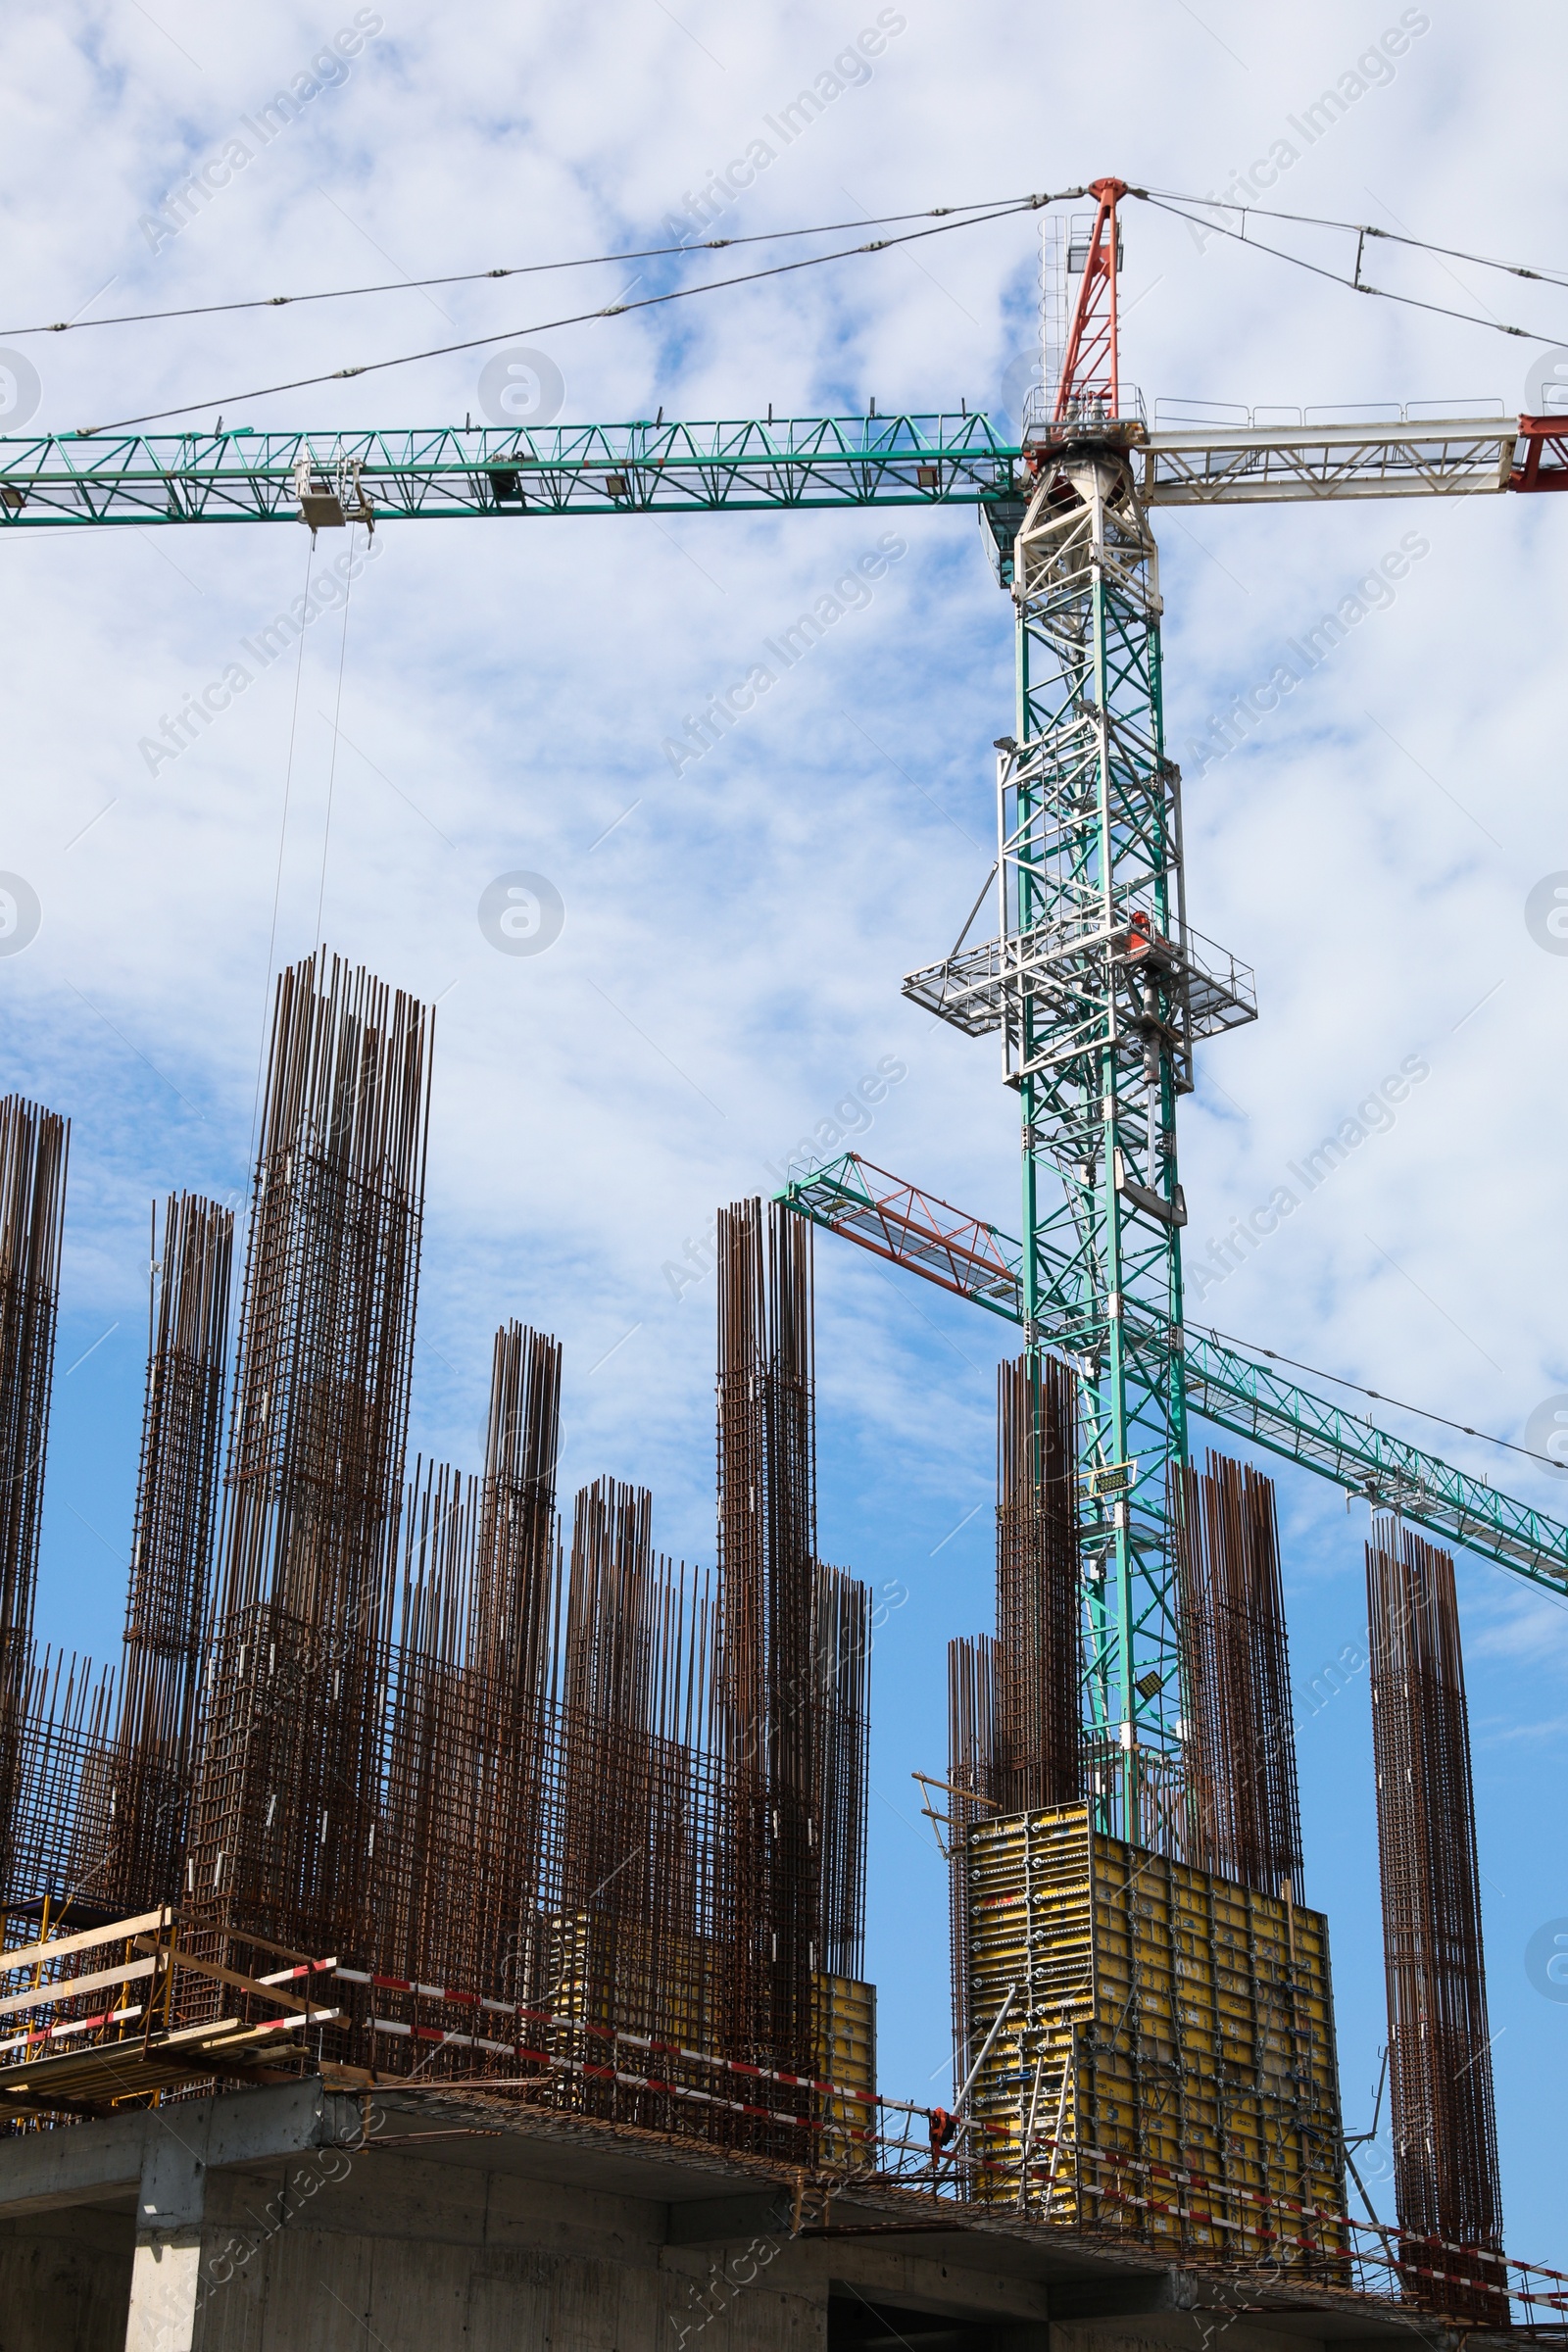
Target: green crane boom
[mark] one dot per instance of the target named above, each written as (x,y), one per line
(1236,1390)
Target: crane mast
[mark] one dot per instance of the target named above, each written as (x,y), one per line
(1099,992)
(1089,866)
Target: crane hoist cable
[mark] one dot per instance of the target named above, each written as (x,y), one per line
(278,878)
(1380,1396)
(1356,283)
(613,309)
(466,277)
(945,220)
(337,715)
(1352,229)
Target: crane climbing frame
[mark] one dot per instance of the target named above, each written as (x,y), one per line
(1095,982)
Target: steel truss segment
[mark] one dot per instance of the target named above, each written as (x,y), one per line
(912,1228)
(1541,457)
(1209,465)
(1223,1385)
(245,476)
(1093,982)
(1252,1401)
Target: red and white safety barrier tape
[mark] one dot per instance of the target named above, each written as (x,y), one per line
(636,2042)
(1180,2178)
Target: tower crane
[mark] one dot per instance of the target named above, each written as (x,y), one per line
(1094,980)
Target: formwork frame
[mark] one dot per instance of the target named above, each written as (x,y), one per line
(1148,2013)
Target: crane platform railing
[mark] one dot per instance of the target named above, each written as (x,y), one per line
(977,989)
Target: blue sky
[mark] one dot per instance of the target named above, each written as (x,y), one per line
(731,954)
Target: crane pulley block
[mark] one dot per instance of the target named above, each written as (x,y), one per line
(330,500)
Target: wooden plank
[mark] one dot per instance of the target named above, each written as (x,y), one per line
(27,1955)
(66,1988)
(282,1951)
(174,2057)
(228,1976)
(252,2036)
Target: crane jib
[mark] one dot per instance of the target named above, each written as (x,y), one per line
(1236,1391)
(326,479)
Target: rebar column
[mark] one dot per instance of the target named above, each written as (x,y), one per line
(170,1558)
(286,1799)
(611,1662)
(1243,1819)
(34,1147)
(55,1825)
(769,1674)
(1037,1664)
(1440,2050)
(435,1797)
(842,1638)
(509,1651)
(971,1781)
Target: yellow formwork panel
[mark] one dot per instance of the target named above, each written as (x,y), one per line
(844,2043)
(1166,2051)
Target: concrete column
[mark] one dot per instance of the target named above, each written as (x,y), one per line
(166,2269)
